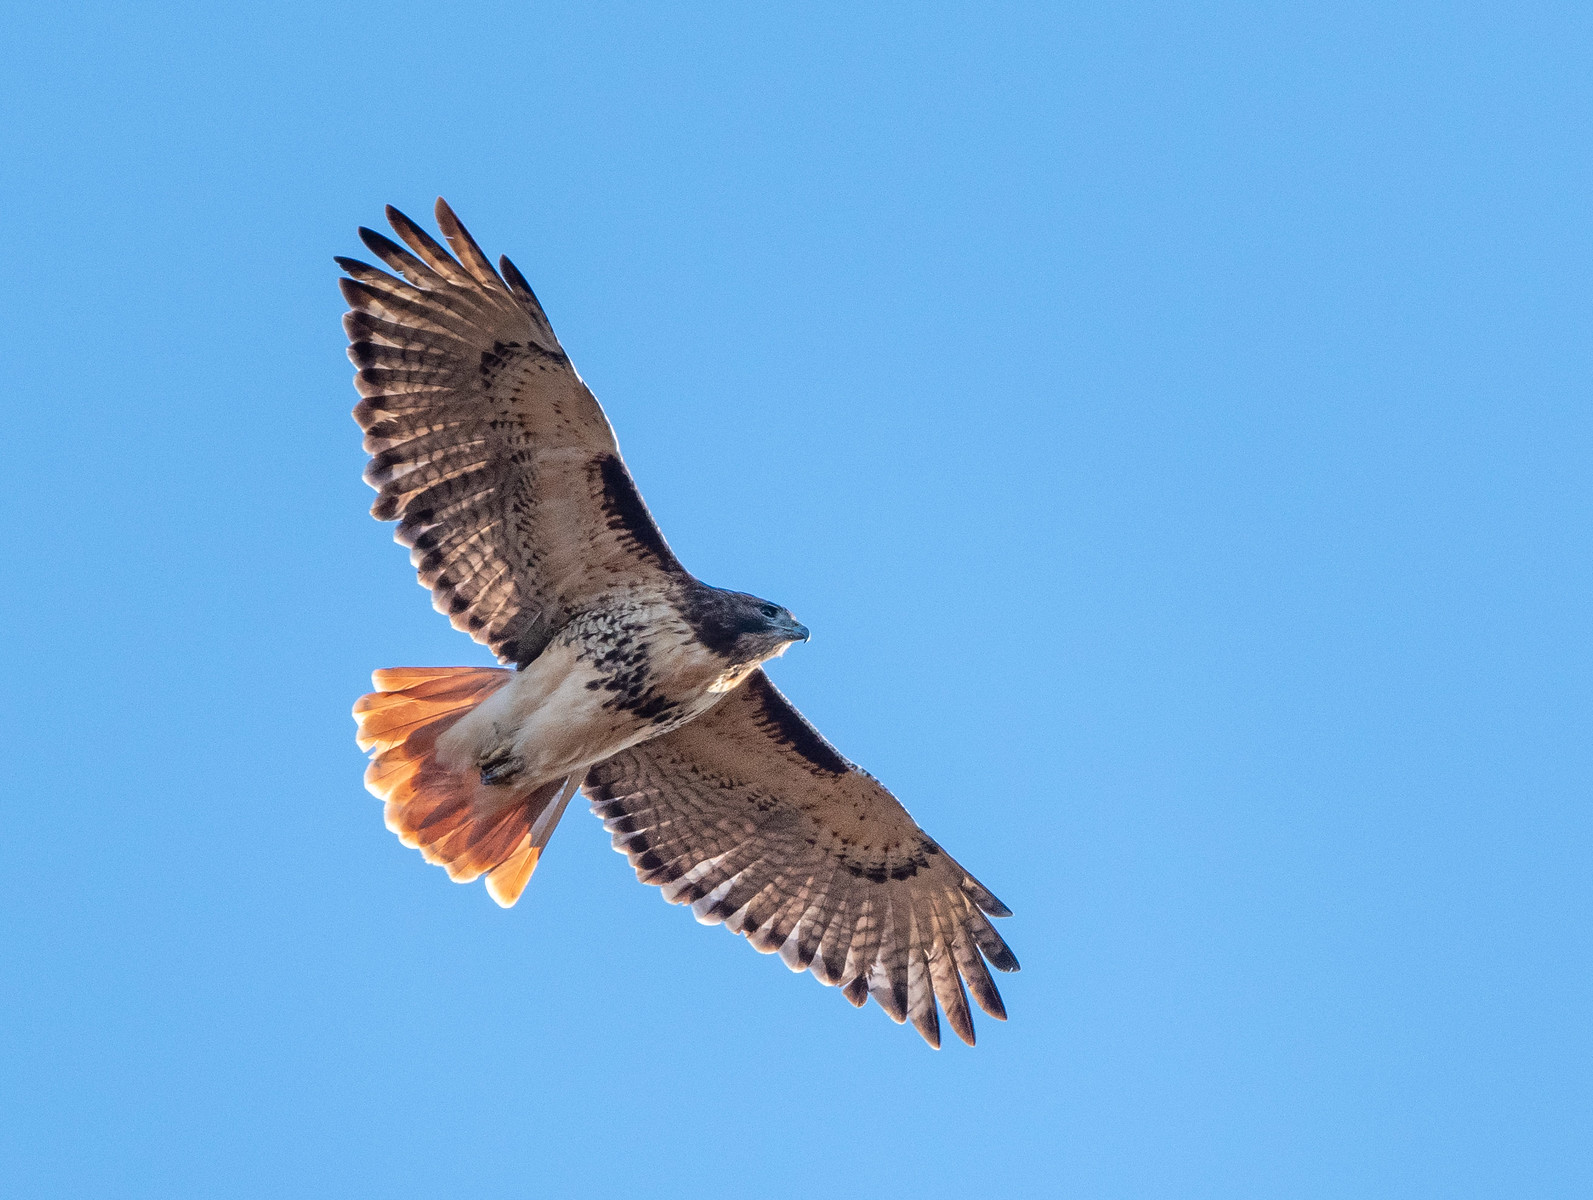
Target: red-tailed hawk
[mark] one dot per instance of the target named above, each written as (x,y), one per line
(631,679)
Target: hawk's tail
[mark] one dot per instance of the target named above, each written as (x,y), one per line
(451,817)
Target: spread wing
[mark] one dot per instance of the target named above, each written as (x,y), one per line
(487,449)
(752,818)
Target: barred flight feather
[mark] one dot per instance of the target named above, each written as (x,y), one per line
(752,828)
(485,444)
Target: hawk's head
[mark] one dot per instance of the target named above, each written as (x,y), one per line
(742,628)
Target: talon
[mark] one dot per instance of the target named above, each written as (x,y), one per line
(501,770)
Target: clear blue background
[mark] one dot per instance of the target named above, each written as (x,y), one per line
(1173,421)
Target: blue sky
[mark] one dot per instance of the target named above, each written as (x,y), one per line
(1172,421)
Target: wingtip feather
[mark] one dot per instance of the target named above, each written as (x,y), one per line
(464,246)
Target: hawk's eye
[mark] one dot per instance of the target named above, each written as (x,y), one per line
(769,610)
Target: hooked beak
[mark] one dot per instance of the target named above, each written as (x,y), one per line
(799,632)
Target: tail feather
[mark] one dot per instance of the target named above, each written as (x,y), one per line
(451,817)
(507,880)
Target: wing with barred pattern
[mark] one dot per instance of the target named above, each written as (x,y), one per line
(752,818)
(486,447)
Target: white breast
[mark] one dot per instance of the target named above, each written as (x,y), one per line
(555,715)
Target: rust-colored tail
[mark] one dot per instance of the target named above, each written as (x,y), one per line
(451,817)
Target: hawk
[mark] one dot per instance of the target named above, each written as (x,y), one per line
(625,677)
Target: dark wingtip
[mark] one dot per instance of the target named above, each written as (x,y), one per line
(446,217)
(1004,960)
(377,241)
(466,249)
(516,281)
(405,228)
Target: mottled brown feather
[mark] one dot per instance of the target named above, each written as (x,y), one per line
(748,814)
(487,448)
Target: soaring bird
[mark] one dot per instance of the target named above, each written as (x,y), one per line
(625,677)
